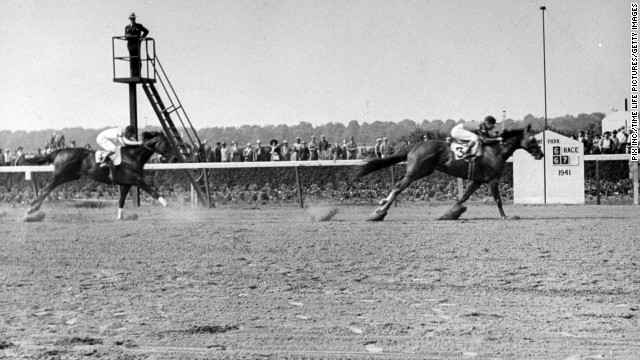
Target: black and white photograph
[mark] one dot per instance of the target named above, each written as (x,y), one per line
(319,179)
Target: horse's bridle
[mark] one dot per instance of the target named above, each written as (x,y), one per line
(531,148)
(149,144)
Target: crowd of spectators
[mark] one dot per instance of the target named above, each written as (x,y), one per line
(8,158)
(17,157)
(611,142)
(300,150)
(615,141)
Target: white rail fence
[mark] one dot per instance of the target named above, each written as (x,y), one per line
(28,170)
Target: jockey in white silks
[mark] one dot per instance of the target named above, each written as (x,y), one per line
(473,133)
(111,139)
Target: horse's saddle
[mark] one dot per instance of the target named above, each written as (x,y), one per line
(116,158)
(459,149)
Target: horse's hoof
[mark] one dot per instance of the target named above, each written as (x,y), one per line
(377,216)
(39,216)
(162,201)
(453,214)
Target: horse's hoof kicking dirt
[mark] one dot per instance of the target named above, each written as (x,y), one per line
(322,213)
(129,217)
(35,217)
(377,216)
(453,214)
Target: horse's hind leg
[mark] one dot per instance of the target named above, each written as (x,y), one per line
(410,177)
(124,190)
(35,204)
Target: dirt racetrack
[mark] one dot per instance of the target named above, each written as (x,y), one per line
(563,282)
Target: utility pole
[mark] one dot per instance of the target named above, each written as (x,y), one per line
(544,67)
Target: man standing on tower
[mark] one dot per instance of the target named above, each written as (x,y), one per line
(134,33)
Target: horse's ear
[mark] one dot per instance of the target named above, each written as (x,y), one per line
(528,129)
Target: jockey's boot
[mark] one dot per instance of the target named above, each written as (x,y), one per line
(106,161)
(469,153)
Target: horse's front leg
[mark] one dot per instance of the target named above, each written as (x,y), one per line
(467,194)
(144,186)
(457,209)
(124,191)
(495,191)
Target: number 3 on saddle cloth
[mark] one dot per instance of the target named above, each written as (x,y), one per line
(459,149)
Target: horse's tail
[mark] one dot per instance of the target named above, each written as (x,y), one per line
(42,160)
(377,164)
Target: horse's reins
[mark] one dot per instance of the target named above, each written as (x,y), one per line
(150,142)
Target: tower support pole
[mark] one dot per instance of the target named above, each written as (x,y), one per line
(133,121)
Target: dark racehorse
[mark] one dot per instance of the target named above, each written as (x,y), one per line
(425,157)
(72,163)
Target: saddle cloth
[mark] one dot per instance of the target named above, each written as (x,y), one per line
(116,158)
(459,149)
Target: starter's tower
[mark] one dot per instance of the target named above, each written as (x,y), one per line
(185,141)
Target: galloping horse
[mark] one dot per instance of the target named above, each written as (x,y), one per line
(72,163)
(425,157)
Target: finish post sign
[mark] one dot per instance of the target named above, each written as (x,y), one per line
(556,179)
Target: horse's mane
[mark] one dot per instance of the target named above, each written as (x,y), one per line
(509,133)
(148,135)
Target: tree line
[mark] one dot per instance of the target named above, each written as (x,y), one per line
(363,133)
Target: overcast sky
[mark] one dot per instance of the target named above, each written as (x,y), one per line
(236,62)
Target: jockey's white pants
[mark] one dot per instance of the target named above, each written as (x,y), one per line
(106,143)
(459,133)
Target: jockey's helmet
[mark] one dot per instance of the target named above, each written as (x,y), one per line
(129,131)
(490,120)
